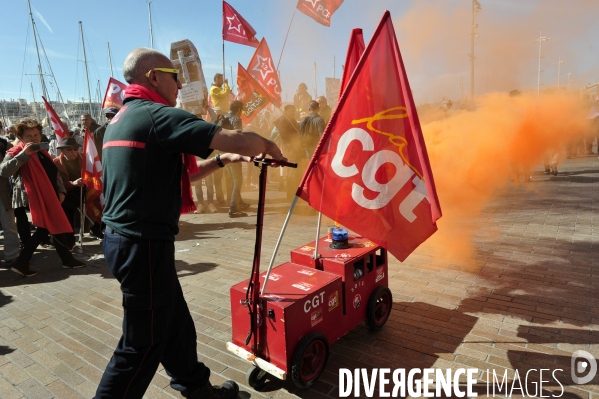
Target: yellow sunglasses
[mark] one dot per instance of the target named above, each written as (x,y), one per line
(175,72)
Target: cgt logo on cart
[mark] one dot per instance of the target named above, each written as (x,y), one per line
(461,383)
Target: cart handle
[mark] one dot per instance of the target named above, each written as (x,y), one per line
(273,162)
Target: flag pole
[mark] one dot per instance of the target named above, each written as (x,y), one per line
(286,36)
(224,58)
(81,217)
(274,255)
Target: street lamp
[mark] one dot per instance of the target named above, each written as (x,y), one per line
(569,74)
(541,40)
(559,70)
(476,8)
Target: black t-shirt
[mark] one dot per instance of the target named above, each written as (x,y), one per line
(142,166)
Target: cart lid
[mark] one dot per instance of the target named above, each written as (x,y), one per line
(291,282)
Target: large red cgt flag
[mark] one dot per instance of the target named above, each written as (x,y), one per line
(236,29)
(319,10)
(91,174)
(354,52)
(262,69)
(59,128)
(115,94)
(370,171)
(250,94)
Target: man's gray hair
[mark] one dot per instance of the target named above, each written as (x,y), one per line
(138,63)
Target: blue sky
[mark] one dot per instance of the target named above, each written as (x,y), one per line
(433,37)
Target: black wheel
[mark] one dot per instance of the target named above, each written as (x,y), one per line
(256,378)
(379,308)
(309,359)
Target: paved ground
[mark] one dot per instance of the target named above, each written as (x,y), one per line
(530,301)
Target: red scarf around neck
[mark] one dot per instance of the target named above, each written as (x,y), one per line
(45,208)
(189,161)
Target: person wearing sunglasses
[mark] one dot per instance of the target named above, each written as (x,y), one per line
(148,164)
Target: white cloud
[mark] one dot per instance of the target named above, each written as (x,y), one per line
(41,17)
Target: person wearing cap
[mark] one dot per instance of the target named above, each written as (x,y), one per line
(98,134)
(69,163)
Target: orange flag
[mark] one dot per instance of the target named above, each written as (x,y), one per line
(370,171)
(250,94)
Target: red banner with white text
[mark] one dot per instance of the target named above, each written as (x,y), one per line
(262,69)
(60,129)
(370,171)
(115,94)
(250,94)
(319,10)
(92,177)
(236,29)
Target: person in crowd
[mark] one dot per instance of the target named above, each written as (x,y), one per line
(234,122)
(220,93)
(325,109)
(38,184)
(146,186)
(311,128)
(69,164)
(88,122)
(11,136)
(301,100)
(289,136)
(98,134)
(7,215)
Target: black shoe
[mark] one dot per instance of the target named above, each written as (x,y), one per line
(73,264)
(228,390)
(23,270)
(98,234)
(237,214)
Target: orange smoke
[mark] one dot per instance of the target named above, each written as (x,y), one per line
(475,156)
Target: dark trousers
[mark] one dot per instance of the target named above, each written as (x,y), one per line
(157,325)
(61,244)
(237,177)
(218,185)
(23,227)
(71,204)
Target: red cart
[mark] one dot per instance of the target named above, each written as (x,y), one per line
(310,303)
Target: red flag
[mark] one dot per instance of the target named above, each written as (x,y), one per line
(91,174)
(59,128)
(115,94)
(354,52)
(261,68)
(250,94)
(319,10)
(236,29)
(370,171)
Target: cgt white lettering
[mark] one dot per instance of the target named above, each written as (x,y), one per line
(314,302)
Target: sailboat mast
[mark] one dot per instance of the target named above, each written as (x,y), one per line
(33,96)
(39,61)
(109,59)
(150,17)
(89,91)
